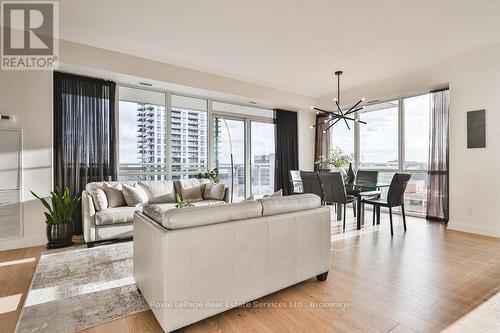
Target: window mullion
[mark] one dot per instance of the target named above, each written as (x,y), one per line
(401,131)
(168,134)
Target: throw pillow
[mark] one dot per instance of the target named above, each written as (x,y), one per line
(214,191)
(159,191)
(99,198)
(114,195)
(134,195)
(190,189)
(275,194)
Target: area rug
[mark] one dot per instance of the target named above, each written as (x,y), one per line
(79,288)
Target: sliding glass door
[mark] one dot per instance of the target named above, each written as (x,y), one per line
(262,158)
(229,153)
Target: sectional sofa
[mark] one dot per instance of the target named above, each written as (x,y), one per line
(192,263)
(108,207)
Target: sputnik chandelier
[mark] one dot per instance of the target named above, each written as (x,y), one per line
(334,117)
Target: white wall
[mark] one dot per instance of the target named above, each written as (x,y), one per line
(474,81)
(28,95)
(474,173)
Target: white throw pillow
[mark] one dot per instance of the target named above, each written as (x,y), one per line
(114,195)
(134,195)
(191,190)
(275,194)
(214,191)
(159,191)
(99,198)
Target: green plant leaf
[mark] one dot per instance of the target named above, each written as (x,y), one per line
(44,202)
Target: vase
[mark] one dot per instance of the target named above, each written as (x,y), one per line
(59,235)
(350,174)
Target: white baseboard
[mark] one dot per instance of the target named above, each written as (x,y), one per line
(474,229)
(11,244)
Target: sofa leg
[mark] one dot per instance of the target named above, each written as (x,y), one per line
(89,245)
(322,277)
(139,290)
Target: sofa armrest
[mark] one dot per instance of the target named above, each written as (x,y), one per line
(88,217)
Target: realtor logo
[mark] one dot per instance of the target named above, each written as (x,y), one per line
(29,35)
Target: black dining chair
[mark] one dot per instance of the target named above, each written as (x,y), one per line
(311,184)
(395,198)
(334,191)
(296,182)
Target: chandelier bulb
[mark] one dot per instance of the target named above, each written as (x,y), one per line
(326,121)
(311,127)
(363,99)
(312,107)
(324,132)
(317,112)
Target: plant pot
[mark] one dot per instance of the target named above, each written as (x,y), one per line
(59,235)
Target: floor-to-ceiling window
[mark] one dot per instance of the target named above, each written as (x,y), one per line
(247,133)
(396,139)
(262,150)
(142,135)
(416,150)
(229,150)
(189,144)
(379,136)
(166,136)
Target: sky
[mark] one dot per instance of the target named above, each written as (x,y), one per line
(379,137)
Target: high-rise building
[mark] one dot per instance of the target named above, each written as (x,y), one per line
(189,142)
(151,139)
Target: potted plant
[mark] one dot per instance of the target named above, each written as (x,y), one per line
(59,217)
(337,162)
(213,175)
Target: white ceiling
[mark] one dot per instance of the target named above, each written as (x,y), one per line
(294,45)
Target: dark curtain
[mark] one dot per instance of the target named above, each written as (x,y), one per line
(322,141)
(287,149)
(438,180)
(84,133)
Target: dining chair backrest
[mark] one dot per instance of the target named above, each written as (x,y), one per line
(333,187)
(311,184)
(396,194)
(366,177)
(296,181)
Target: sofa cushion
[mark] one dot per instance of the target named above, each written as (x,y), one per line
(155,211)
(114,195)
(115,215)
(197,216)
(288,204)
(98,198)
(93,185)
(204,203)
(214,191)
(159,191)
(190,189)
(134,195)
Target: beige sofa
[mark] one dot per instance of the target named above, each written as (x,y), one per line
(192,263)
(117,222)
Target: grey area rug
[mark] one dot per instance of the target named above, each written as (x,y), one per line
(77,288)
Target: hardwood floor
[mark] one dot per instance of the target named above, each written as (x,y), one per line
(427,280)
(16,270)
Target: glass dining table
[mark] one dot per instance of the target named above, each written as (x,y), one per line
(361,190)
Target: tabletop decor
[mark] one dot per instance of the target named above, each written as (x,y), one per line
(337,162)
